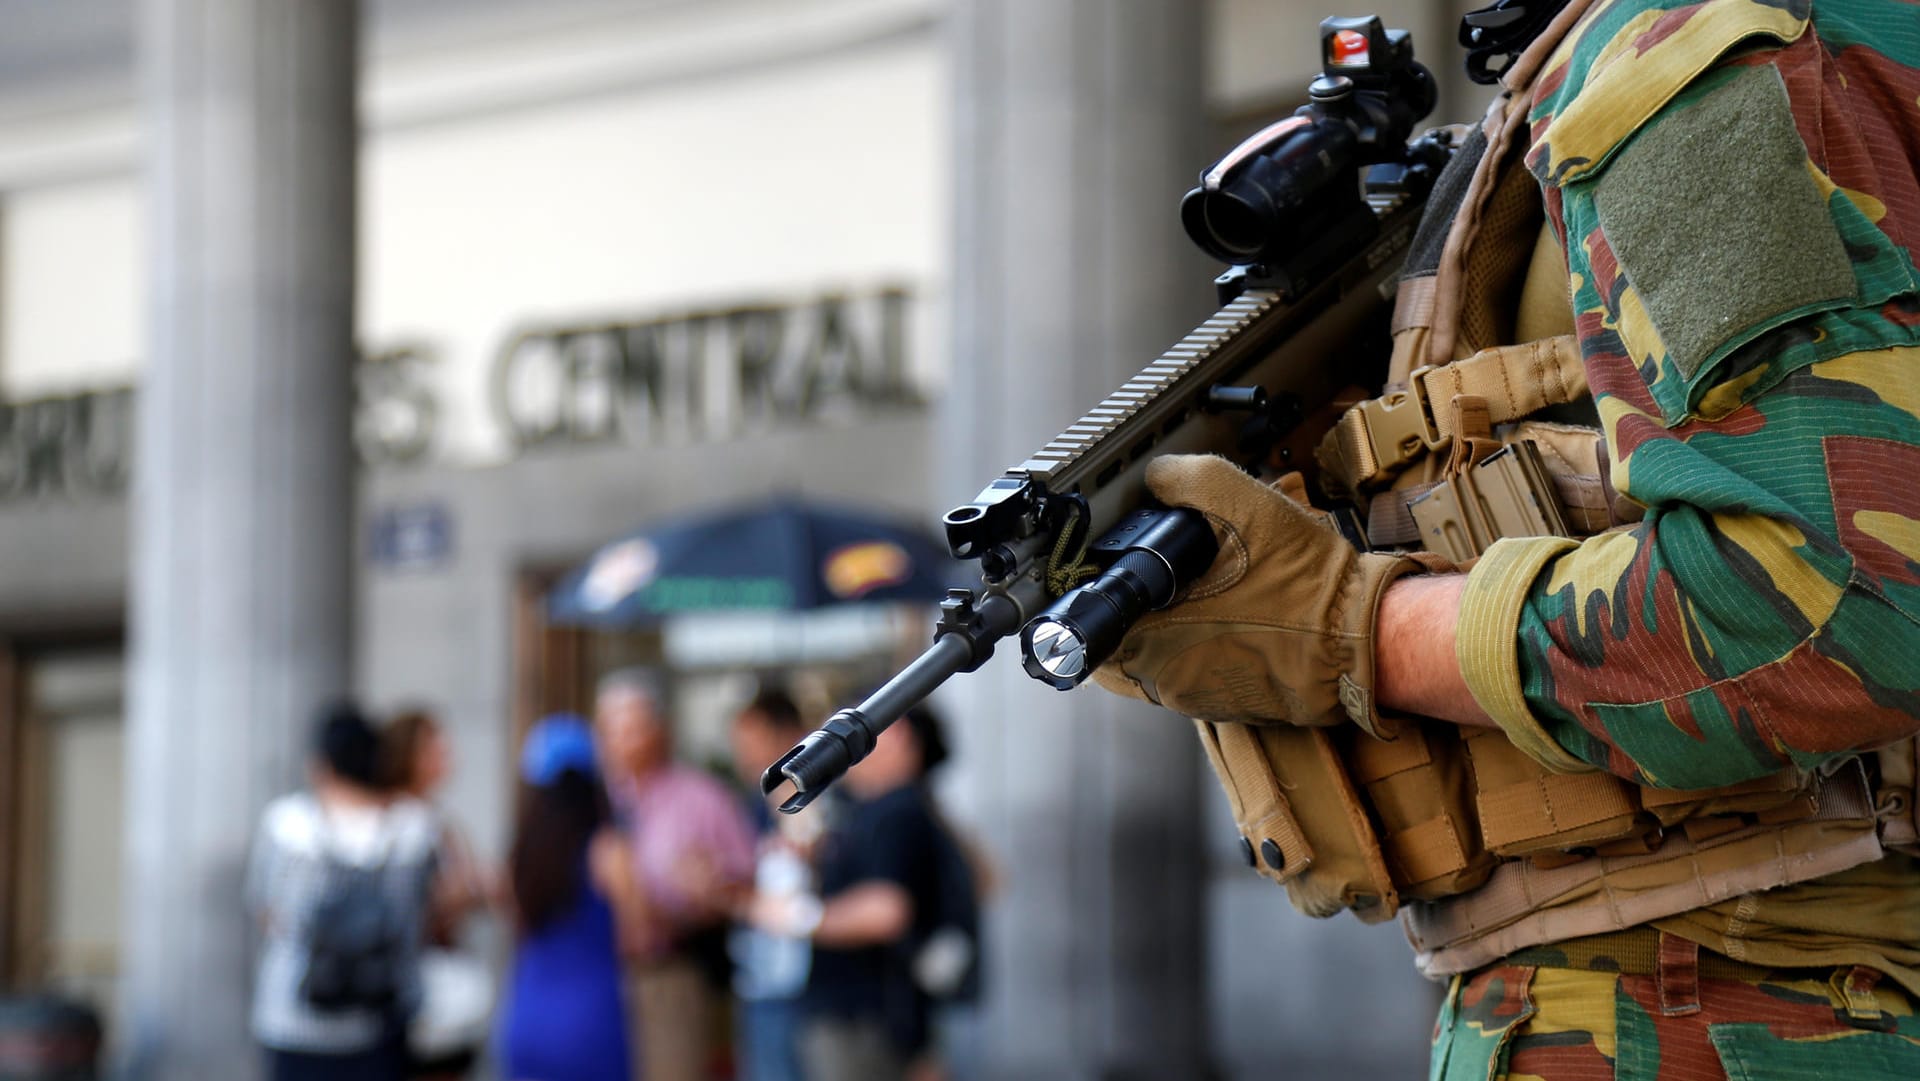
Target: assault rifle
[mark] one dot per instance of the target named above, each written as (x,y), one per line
(1314,214)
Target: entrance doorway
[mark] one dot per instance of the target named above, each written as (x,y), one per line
(62,740)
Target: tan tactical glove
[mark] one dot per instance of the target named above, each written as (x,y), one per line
(1279,629)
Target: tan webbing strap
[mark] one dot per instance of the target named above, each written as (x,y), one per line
(1494,194)
(1583,498)
(1636,952)
(1413,304)
(1469,420)
(1427,310)
(1524,904)
(1515,380)
(1678,977)
(1854,986)
(1377,438)
(1390,523)
(1571,809)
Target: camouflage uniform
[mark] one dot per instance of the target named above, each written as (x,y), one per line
(1520,1022)
(1734,184)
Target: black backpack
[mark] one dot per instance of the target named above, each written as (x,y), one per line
(356,940)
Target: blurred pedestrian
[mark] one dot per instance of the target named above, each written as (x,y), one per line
(887,870)
(417,760)
(693,852)
(770,971)
(575,896)
(457,987)
(338,879)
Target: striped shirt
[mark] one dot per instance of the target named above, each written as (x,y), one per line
(299,850)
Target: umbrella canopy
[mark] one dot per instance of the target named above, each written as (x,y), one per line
(786,555)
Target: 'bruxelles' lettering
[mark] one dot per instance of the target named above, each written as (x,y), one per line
(77,443)
(82,444)
(704,374)
(395,413)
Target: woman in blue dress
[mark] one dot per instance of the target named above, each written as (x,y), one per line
(573,893)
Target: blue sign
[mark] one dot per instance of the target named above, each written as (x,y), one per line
(411,538)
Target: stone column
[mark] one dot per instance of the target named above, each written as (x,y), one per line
(1079,126)
(242,530)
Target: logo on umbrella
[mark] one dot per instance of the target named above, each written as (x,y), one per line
(855,570)
(618,571)
(784,555)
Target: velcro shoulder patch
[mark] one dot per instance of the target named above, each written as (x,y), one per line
(1716,219)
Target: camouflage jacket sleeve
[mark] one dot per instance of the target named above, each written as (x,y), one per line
(1734,182)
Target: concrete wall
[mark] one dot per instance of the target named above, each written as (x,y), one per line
(62,563)
(72,286)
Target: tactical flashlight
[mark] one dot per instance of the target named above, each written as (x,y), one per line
(1154,553)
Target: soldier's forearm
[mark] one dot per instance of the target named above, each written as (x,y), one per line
(1415,668)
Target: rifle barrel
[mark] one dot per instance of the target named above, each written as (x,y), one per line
(830,750)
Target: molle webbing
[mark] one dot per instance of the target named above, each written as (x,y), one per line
(1376,439)
(1493,853)
(1432,844)
(1516,381)
(1526,902)
(1525,810)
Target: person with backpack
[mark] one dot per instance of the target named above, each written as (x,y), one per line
(338,881)
(895,930)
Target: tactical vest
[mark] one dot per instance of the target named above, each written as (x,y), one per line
(1480,849)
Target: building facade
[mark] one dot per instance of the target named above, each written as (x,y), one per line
(618,260)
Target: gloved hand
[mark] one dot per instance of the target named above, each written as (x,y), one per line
(1279,629)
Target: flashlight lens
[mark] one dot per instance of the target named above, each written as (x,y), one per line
(1059,649)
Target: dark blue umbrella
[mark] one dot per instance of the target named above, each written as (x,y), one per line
(785,555)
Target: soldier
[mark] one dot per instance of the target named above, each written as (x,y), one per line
(1643,791)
